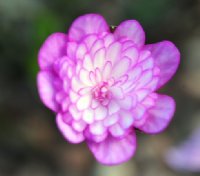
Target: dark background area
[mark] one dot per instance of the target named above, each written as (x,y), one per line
(30,144)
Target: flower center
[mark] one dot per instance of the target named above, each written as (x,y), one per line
(101,92)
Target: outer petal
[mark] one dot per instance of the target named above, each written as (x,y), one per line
(52,49)
(114,151)
(67,131)
(87,24)
(46,89)
(132,30)
(167,58)
(159,116)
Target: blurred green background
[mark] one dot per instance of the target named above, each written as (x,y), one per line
(30,144)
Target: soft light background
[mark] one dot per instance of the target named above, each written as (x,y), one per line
(30,144)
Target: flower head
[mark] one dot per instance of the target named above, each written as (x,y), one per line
(101,85)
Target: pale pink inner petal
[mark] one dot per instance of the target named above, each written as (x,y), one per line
(98,75)
(84,77)
(94,104)
(81,51)
(79,126)
(84,102)
(126,119)
(117,92)
(84,91)
(92,77)
(138,111)
(147,63)
(131,53)
(98,44)
(141,94)
(121,68)
(127,102)
(99,58)
(87,63)
(113,52)
(76,84)
(100,113)
(74,112)
(88,116)
(97,128)
(107,70)
(111,120)
(145,78)
(73,96)
(144,54)
(89,40)
(116,130)
(108,40)
(127,44)
(113,107)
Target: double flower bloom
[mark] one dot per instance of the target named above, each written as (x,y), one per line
(101,85)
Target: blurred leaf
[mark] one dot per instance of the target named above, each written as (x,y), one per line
(44,24)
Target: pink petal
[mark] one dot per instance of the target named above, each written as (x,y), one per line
(87,24)
(132,30)
(52,49)
(166,57)
(114,151)
(67,131)
(159,116)
(71,50)
(46,89)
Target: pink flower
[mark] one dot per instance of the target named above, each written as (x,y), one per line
(101,85)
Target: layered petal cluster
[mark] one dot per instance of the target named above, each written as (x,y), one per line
(101,85)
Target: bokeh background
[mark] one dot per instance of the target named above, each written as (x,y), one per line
(30,144)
